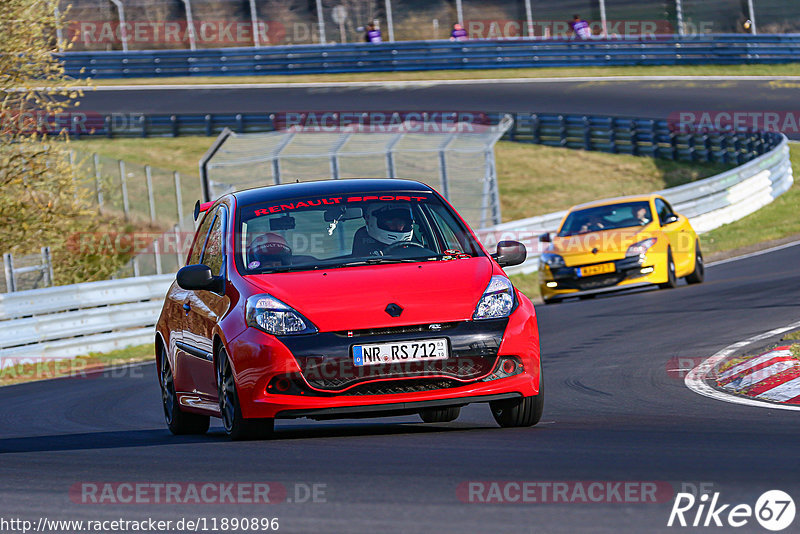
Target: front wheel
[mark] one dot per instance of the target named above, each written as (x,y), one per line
(526,411)
(178,422)
(699,273)
(236,426)
(672,280)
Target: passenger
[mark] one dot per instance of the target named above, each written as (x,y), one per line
(594,223)
(268,250)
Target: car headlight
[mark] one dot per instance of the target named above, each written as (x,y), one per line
(553,260)
(641,248)
(269,314)
(497,300)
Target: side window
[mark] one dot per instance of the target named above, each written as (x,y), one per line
(200,239)
(213,253)
(664,211)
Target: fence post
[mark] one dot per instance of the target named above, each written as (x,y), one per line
(122,26)
(150,199)
(157,252)
(443,165)
(321,23)
(178,245)
(98,187)
(178,196)
(190,24)
(124,185)
(47,266)
(8,264)
(679,16)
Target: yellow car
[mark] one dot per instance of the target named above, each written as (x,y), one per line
(619,243)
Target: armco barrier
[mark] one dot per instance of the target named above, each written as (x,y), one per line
(67,321)
(436,55)
(708,203)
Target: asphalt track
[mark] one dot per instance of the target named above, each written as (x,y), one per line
(637,98)
(615,412)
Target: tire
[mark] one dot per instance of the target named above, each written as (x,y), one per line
(672,281)
(699,273)
(586,297)
(236,426)
(526,411)
(551,301)
(440,415)
(178,422)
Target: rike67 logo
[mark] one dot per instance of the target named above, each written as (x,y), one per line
(774,510)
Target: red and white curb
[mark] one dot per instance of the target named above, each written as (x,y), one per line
(774,376)
(749,378)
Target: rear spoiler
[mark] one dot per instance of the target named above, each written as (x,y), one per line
(201,208)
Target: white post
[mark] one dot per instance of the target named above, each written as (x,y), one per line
(190,25)
(321,23)
(529,15)
(254,18)
(123,30)
(150,195)
(389,21)
(59,31)
(679,16)
(603,23)
(752,12)
(460,12)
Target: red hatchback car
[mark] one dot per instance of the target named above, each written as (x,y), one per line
(341,299)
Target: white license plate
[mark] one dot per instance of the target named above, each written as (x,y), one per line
(404,351)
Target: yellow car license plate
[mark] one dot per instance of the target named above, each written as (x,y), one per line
(593,270)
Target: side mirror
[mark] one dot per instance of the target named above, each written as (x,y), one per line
(545,238)
(671,219)
(199,277)
(510,253)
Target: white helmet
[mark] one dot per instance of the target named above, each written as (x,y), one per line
(389,223)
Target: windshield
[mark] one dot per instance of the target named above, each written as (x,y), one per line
(357,229)
(622,215)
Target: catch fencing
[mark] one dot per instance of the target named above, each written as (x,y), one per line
(435,55)
(29,271)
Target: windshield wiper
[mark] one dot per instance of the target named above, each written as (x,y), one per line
(384,259)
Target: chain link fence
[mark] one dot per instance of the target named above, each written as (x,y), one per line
(198,24)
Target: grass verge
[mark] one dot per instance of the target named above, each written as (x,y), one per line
(81,367)
(776,221)
(790,69)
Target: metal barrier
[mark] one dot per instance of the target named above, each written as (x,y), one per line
(708,203)
(722,49)
(67,321)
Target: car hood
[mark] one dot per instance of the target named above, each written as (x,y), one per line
(595,247)
(355,298)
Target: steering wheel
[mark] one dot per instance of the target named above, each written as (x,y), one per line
(405,244)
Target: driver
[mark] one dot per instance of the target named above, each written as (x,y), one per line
(268,250)
(386,224)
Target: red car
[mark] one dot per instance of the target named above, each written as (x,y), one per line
(341,299)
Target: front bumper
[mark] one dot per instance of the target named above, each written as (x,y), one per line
(629,272)
(469,375)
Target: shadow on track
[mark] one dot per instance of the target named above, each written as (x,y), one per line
(148,438)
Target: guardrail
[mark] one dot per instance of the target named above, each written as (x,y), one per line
(66,321)
(435,55)
(708,203)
